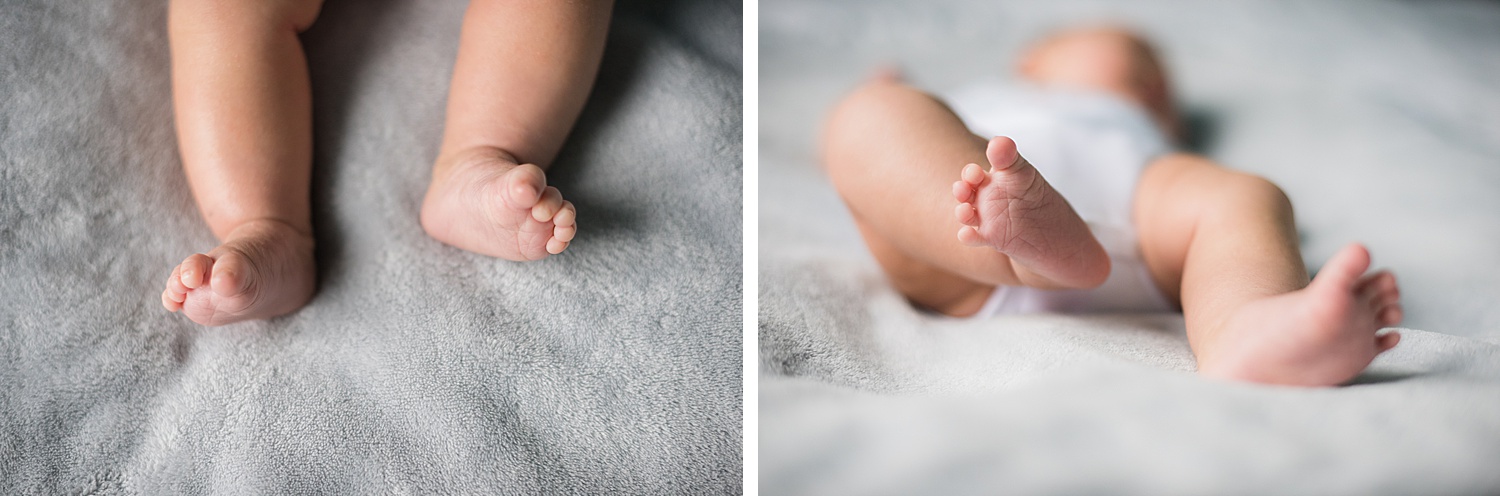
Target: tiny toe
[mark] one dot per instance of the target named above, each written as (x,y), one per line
(1390,315)
(168,302)
(1383,300)
(178,293)
(972,174)
(1369,296)
(175,295)
(969,236)
(1379,282)
(555,246)
(567,216)
(564,233)
(175,278)
(963,191)
(966,214)
(194,270)
(174,286)
(548,206)
(1385,282)
(1384,342)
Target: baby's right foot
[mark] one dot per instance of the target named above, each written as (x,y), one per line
(489,204)
(264,269)
(1014,210)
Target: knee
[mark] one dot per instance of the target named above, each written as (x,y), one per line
(293,15)
(865,106)
(1245,193)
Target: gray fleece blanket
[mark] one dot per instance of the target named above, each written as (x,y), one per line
(417,368)
(1380,119)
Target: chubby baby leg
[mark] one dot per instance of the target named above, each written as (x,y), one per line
(244,123)
(893,153)
(523,73)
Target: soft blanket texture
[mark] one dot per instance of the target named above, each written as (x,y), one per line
(417,368)
(1380,119)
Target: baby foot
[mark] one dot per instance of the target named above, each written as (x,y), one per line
(1321,335)
(487,203)
(264,269)
(1015,211)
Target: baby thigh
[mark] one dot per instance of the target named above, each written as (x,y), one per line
(893,153)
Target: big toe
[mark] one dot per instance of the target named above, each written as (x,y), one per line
(232,274)
(524,186)
(1343,270)
(1002,153)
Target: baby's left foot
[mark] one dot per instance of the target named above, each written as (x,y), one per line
(1012,209)
(487,203)
(1321,335)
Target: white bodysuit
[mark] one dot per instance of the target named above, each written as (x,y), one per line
(1092,148)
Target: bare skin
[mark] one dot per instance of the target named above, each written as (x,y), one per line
(507,118)
(230,283)
(1013,210)
(244,121)
(1220,243)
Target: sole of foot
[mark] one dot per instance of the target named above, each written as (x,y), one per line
(1013,210)
(263,269)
